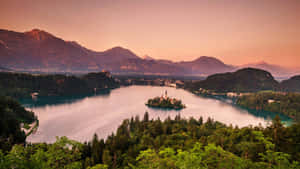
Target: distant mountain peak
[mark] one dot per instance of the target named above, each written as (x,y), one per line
(120,51)
(276,70)
(117,48)
(262,63)
(208,59)
(39,34)
(36,30)
(147,57)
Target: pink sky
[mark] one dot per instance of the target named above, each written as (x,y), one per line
(235,31)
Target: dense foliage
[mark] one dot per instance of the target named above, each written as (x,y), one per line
(291,85)
(64,153)
(167,103)
(177,143)
(12,115)
(243,80)
(22,85)
(145,143)
(286,103)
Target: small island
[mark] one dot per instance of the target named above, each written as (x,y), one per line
(165,102)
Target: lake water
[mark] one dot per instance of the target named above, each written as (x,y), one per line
(80,117)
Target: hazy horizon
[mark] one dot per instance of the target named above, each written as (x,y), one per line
(236,32)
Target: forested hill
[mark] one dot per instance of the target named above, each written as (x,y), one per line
(12,114)
(23,85)
(243,80)
(291,85)
(285,103)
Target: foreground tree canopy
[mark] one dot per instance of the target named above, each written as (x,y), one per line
(285,103)
(172,143)
(12,115)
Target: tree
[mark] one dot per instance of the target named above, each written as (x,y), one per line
(64,153)
(97,150)
(106,158)
(146,117)
(99,166)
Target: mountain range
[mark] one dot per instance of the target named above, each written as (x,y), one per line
(38,50)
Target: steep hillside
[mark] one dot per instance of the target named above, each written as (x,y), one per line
(243,80)
(37,50)
(13,115)
(291,85)
(22,85)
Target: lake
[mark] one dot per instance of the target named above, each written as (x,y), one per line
(80,117)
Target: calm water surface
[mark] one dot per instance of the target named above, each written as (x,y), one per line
(79,118)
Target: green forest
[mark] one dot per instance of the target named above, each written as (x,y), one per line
(243,80)
(285,103)
(20,85)
(12,116)
(171,143)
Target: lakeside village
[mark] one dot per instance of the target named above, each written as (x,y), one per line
(124,80)
(232,95)
(165,102)
(202,91)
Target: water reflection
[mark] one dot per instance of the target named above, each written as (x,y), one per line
(102,114)
(56,100)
